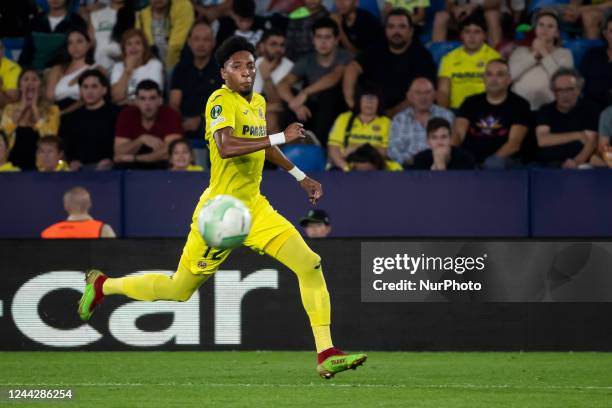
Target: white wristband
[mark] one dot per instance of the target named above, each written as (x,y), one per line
(277,138)
(297,173)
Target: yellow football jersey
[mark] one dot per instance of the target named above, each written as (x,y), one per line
(465,72)
(236,176)
(375,133)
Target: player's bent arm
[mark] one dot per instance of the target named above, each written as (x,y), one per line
(515,140)
(546,138)
(284,87)
(351,73)
(443,94)
(459,130)
(275,156)
(232,146)
(123,145)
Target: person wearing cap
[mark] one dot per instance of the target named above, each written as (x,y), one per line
(462,70)
(316,224)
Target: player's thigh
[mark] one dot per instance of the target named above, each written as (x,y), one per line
(268,227)
(200,259)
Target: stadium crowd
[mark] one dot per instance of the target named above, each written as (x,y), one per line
(394,85)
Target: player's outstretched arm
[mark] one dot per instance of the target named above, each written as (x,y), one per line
(232,146)
(312,187)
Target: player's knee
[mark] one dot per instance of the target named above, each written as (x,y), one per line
(183,296)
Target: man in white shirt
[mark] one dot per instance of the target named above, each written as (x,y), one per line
(272,67)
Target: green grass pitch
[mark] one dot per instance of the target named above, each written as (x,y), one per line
(289,379)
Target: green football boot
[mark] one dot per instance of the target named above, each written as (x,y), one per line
(92,295)
(333,360)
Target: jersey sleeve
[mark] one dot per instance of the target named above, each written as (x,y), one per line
(444,71)
(220,112)
(386,131)
(336,134)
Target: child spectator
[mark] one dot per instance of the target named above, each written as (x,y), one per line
(299,28)
(50,155)
(180,156)
(441,155)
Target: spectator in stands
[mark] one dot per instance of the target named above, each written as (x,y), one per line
(458,11)
(194,79)
(320,100)
(79,224)
(567,128)
(368,158)
(62,80)
(9,73)
(145,130)
(416,8)
(107,25)
(532,67)
(359,29)
(5,165)
(364,124)
(597,69)
(89,132)
(441,155)
(242,21)
(50,155)
(492,125)
(43,43)
(605,123)
(24,122)
(166,23)
(462,69)
(180,156)
(409,127)
(272,67)
(392,66)
(138,64)
(585,16)
(603,156)
(299,29)
(316,224)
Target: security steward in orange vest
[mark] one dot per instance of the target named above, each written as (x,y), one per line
(79,224)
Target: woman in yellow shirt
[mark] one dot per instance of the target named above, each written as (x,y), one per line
(180,156)
(24,122)
(5,165)
(365,124)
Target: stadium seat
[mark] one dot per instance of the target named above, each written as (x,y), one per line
(306,157)
(12,47)
(440,49)
(579,48)
(539,4)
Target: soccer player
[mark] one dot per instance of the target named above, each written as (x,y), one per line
(239,145)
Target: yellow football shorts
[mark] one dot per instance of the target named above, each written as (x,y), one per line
(267,225)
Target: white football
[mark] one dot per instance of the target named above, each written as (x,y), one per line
(224,222)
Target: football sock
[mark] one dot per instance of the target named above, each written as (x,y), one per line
(297,256)
(153,286)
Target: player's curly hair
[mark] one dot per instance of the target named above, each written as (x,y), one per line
(231,46)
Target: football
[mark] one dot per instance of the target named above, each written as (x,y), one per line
(224,222)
